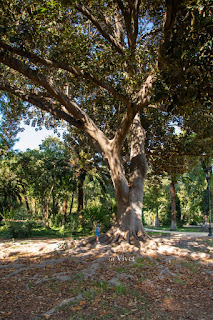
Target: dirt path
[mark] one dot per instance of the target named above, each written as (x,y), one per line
(169,278)
(181,233)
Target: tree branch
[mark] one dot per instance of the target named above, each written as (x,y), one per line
(172,7)
(123,129)
(142,98)
(60,65)
(131,4)
(96,23)
(88,125)
(135,18)
(41,103)
(127,14)
(150,33)
(42,81)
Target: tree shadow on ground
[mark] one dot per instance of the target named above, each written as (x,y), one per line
(162,280)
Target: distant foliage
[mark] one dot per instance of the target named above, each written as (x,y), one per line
(20,229)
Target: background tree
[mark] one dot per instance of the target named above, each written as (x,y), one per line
(85,161)
(8,130)
(10,188)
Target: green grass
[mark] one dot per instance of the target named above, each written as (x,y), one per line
(185,229)
(4,234)
(40,232)
(178,280)
(120,289)
(120,269)
(194,268)
(159,234)
(58,232)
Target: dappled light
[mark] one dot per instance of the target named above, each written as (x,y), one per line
(58,279)
(129,83)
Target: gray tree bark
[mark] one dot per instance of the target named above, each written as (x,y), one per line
(173,207)
(130,194)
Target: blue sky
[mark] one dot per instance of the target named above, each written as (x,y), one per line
(31,139)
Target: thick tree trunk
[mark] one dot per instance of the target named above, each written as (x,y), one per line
(71,204)
(46,214)
(173,207)
(64,212)
(130,195)
(204,225)
(55,207)
(25,197)
(81,179)
(157,223)
(80,196)
(46,208)
(27,204)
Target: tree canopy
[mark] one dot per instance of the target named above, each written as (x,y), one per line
(99,66)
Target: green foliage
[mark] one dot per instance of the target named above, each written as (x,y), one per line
(191,202)
(120,289)
(92,62)
(20,229)
(187,58)
(166,218)
(96,214)
(72,222)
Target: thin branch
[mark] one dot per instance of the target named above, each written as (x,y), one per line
(150,33)
(119,33)
(172,8)
(121,6)
(131,4)
(161,107)
(60,65)
(129,13)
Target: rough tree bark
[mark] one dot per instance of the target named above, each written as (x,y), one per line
(157,223)
(71,204)
(130,194)
(64,212)
(81,180)
(173,207)
(46,207)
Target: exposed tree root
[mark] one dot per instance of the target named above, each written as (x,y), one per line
(116,235)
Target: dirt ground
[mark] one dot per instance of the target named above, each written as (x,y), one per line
(169,278)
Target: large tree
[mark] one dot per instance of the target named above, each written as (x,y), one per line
(99,65)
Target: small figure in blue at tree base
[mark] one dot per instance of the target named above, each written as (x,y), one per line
(97,233)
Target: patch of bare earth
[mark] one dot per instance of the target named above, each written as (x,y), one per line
(166,279)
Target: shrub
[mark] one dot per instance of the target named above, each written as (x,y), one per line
(57,220)
(96,214)
(20,229)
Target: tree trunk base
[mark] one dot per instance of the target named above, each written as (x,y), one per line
(116,235)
